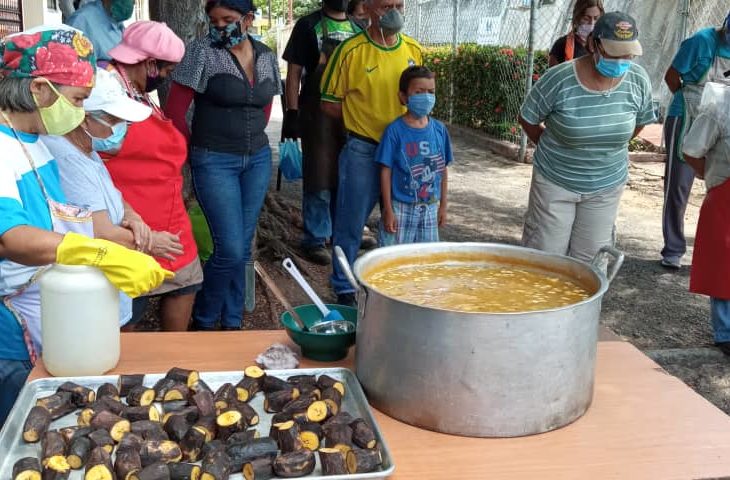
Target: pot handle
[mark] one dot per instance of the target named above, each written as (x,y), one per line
(618,260)
(345,265)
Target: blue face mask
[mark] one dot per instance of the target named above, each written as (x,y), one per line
(421,104)
(113,142)
(612,67)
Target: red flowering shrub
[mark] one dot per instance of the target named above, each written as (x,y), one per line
(489,85)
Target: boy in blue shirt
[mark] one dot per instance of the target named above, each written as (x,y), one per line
(414,153)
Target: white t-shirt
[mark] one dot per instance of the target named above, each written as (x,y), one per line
(709,137)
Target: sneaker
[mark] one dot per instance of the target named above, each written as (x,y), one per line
(674,263)
(368,243)
(724,347)
(347,299)
(319,255)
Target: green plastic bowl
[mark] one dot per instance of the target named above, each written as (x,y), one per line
(320,346)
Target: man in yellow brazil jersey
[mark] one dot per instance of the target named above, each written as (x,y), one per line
(358,85)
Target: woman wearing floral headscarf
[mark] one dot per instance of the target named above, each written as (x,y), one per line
(46,75)
(233,79)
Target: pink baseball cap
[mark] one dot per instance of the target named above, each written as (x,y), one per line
(146,39)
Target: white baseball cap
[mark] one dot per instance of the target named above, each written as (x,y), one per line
(109,96)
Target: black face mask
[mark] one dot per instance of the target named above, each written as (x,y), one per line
(336,5)
(153,83)
(153,80)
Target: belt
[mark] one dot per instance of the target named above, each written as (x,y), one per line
(362,138)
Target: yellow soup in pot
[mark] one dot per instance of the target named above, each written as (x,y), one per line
(476,287)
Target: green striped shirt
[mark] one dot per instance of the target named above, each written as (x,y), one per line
(584,148)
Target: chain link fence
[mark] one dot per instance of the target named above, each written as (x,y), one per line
(487,53)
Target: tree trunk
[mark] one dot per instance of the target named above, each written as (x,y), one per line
(185,17)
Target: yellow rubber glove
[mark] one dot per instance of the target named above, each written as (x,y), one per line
(132,272)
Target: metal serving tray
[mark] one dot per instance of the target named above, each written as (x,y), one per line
(12,446)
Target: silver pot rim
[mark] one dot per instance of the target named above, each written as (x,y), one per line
(413,249)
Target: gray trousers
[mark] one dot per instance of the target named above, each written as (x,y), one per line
(567,223)
(678,180)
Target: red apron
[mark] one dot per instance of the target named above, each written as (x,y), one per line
(148,172)
(710,273)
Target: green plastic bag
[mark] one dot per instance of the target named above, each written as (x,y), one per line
(201,232)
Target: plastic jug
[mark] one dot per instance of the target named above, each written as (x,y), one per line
(79,321)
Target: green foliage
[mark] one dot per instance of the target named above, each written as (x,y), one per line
(280,8)
(269,38)
(489,85)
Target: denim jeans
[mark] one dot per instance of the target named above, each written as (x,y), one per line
(720,314)
(317,214)
(231,190)
(358,191)
(13,374)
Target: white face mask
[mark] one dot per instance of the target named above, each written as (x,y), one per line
(583,30)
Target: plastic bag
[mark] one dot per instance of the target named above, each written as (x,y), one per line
(290,160)
(201,232)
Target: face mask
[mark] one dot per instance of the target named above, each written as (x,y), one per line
(336,5)
(392,22)
(421,104)
(113,142)
(154,80)
(363,23)
(612,68)
(121,10)
(584,30)
(228,36)
(62,116)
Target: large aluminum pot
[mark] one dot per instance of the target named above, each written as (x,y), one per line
(476,374)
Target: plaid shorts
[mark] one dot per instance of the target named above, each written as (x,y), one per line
(415,223)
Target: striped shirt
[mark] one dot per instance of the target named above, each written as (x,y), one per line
(584,148)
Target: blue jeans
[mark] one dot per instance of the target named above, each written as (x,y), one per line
(317,214)
(358,191)
(13,374)
(720,314)
(231,190)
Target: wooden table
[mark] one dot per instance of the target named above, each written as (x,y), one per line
(643,424)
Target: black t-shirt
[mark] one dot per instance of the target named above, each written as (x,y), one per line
(314,35)
(558,49)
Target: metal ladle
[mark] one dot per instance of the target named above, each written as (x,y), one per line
(269,282)
(332,321)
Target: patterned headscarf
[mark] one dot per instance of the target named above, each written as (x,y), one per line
(242,6)
(61,54)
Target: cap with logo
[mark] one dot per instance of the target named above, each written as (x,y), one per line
(109,96)
(617,34)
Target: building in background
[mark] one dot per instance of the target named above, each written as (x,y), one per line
(37,12)
(17,15)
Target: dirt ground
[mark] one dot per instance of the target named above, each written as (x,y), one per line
(646,304)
